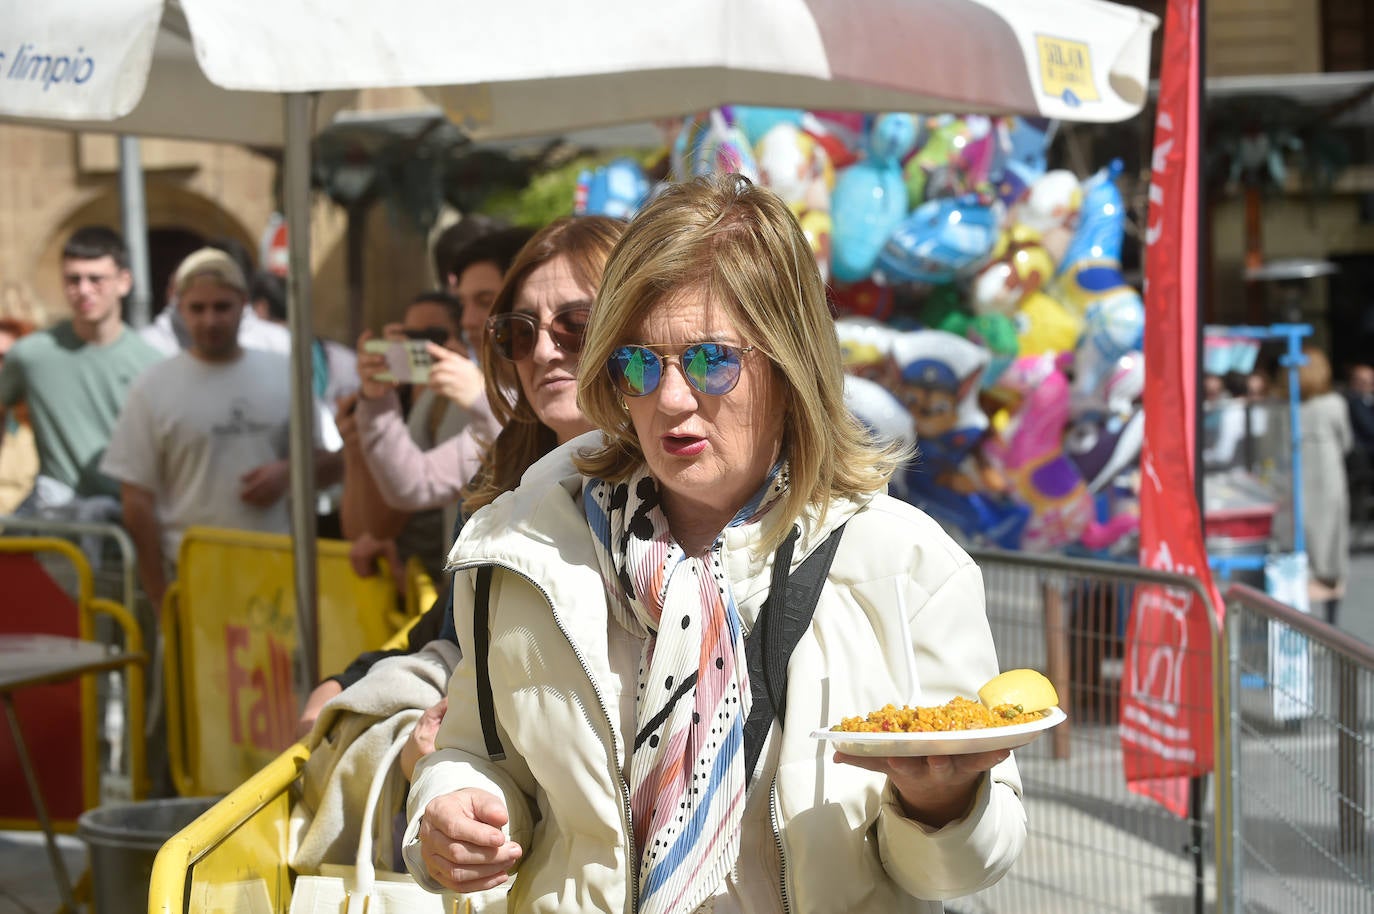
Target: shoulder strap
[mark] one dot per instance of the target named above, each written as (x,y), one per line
(768,648)
(481,642)
(783,618)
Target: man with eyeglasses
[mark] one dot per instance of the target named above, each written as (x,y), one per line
(74,377)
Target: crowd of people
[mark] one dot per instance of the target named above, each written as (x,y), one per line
(631,437)
(1336,449)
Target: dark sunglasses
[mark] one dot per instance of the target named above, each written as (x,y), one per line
(514,333)
(712,368)
(436,334)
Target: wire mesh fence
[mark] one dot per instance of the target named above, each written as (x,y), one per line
(1302,729)
(1094,846)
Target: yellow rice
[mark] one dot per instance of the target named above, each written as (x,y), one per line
(957,714)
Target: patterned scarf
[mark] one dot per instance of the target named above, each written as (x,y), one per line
(687,777)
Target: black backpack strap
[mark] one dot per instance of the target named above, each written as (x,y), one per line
(481,642)
(783,618)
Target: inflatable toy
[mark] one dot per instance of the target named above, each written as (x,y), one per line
(941,240)
(870,200)
(1030,452)
(617,189)
(710,144)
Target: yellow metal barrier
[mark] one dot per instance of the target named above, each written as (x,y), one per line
(234,857)
(87,607)
(230,629)
(420,590)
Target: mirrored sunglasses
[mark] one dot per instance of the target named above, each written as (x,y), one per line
(712,368)
(514,334)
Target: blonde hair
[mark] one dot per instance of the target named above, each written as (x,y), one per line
(741,246)
(1314,376)
(583,242)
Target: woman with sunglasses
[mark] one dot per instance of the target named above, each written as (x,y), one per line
(548,287)
(604,605)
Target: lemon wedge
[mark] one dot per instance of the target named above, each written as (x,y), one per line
(1027,688)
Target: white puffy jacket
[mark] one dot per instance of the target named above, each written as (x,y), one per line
(844,844)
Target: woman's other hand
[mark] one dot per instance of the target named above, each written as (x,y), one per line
(934,790)
(461,841)
(454,376)
(421,742)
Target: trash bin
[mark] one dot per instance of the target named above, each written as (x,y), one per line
(123,839)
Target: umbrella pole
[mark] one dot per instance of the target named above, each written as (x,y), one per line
(296,195)
(133,210)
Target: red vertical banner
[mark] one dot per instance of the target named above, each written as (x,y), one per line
(1166,697)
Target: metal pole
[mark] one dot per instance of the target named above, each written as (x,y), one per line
(298,109)
(1231,786)
(1197,786)
(133,208)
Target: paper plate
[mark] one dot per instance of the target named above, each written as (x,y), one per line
(949,742)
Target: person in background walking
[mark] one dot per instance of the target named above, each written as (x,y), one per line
(1326,439)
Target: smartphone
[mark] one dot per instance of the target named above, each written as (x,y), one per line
(407,361)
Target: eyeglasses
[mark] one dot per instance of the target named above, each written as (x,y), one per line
(435,334)
(514,334)
(712,368)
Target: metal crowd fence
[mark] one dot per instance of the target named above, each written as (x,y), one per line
(1094,845)
(111,563)
(1283,825)
(1302,732)
(108,549)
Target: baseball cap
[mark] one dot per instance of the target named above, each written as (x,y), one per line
(210,262)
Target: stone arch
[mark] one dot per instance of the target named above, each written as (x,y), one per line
(175,215)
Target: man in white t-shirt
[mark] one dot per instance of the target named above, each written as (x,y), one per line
(203,437)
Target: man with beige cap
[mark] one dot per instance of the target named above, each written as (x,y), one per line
(203,438)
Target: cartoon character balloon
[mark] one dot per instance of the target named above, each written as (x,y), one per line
(870,199)
(940,376)
(1101,220)
(1030,452)
(941,240)
(1051,208)
(862,299)
(955,160)
(1104,442)
(1020,156)
(1019,266)
(711,144)
(1114,326)
(878,409)
(616,189)
(1043,325)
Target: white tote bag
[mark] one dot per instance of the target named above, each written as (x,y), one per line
(361,889)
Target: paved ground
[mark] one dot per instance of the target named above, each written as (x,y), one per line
(27,886)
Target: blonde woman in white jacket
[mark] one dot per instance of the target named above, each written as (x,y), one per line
(601,750)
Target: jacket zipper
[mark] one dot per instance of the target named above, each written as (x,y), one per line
(777,840)
(628,819)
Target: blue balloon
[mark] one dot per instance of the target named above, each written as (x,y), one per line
(1102,220)
(868,203)
(892,136)
(942,239)
(755,121)
(617,189)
